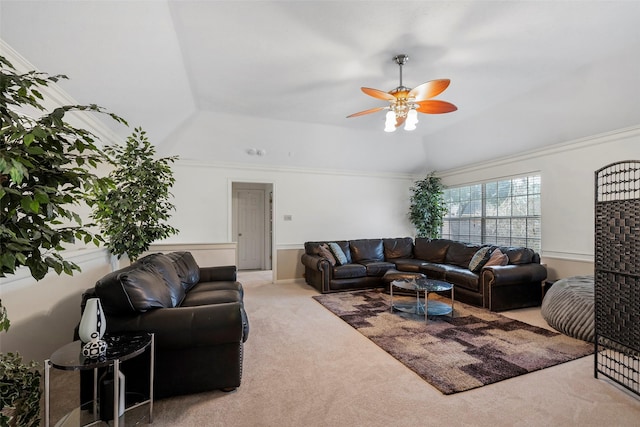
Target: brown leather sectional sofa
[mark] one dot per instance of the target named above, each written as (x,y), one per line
(515,285)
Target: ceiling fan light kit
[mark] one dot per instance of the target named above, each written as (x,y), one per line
(405,103)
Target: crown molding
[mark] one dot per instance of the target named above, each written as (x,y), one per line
(58,97)
(576,144)
(281,169)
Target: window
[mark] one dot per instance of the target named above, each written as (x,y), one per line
(504,213)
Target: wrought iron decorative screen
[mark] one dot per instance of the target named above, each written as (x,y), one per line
(617,273)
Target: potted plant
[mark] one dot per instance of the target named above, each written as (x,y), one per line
(132,214)
(45,171)
(19,386)
(427,206)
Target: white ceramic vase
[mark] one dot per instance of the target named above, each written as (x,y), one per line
(93,320)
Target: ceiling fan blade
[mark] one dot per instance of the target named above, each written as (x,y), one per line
(380,94)
(429,89)
(435,107)
(400,121)
(369,111)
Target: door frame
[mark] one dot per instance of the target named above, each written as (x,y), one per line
(232,238)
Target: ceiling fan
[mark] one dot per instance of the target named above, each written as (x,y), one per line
(406,103)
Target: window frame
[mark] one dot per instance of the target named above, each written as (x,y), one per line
(504,211)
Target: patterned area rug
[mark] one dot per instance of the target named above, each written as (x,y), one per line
(473,349)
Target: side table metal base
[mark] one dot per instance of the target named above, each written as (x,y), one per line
(69,358)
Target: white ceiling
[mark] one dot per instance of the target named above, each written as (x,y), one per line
(524,74)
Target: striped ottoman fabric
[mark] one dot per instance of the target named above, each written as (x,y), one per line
(568,307)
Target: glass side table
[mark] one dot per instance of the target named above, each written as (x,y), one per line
(119,349)
(433,308)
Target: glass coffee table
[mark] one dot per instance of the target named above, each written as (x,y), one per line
(428,308)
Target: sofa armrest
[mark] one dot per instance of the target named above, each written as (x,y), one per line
(186,327)
(318,271)
(505,275)
(316,262)
(217,274)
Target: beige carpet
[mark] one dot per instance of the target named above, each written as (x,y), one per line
(304,366)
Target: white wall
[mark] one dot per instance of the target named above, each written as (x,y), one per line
(323,204)
(567,174)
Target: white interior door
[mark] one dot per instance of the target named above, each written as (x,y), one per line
(250,229)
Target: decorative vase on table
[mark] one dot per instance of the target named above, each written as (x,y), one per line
(92,328)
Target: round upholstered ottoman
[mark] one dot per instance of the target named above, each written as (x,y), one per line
(568,307)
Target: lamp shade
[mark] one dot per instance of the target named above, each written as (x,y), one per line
(390,123)
(412,120)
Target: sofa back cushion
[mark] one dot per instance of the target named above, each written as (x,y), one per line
(401,247)
(312,248)
(146,288)
(344,245)
(366,249)
(186,267)
(338,253)
(520,255)
(113,297)
(137,288)
(166,267)
(431,250)
(460,254)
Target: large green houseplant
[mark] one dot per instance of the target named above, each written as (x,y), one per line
(134,213)
(427,207)
(46,170)
(19,386)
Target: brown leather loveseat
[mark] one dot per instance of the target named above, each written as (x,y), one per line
(196,313)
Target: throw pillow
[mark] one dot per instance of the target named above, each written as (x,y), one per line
(479,259)
(341,258)
(325,252)
(497,258)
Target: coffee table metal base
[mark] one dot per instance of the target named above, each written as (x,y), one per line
(428,307)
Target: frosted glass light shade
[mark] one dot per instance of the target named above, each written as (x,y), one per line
(390,123)
(412,120)
(92,320)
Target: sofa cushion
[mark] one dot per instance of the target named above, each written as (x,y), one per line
(325,252)
(366,249)
(377,268)
(434,270)
(211,296)
(349,271)
(518,255)
(479,259)
(338,253)
(431,250)
(497,258)
(166,268)
(186,267)
(460,254)
(462,277)
(145,288)
(112,295)
(409,264)
(398,248)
